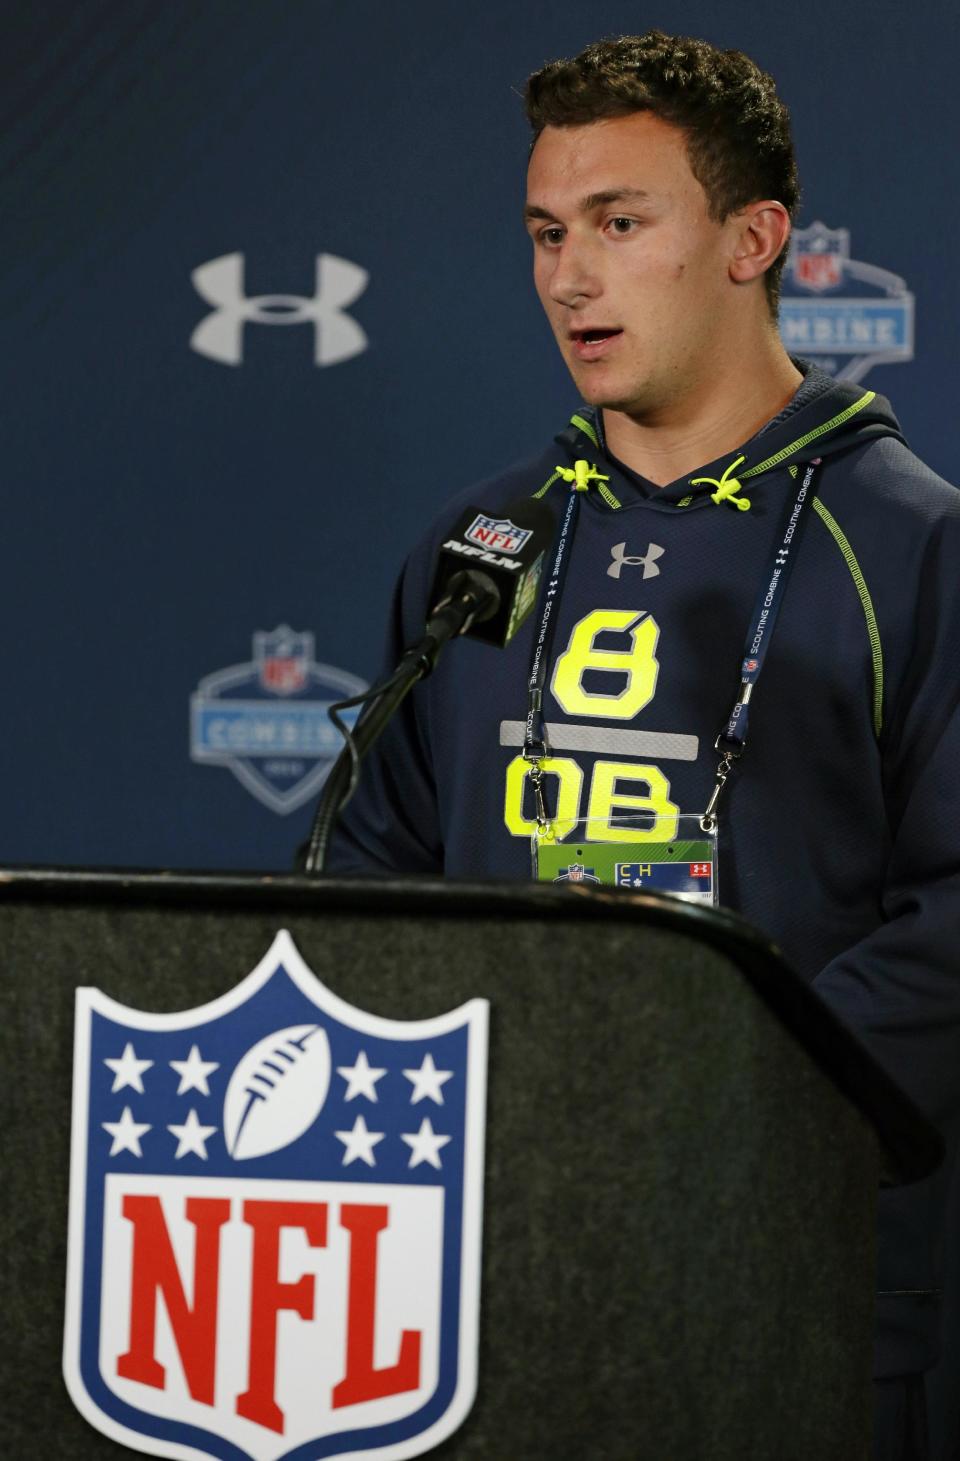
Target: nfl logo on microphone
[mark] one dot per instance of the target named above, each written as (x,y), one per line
(275,1209)
(497,532)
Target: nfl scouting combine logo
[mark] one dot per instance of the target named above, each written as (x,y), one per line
(275,1206)
(268,721)
(845,315)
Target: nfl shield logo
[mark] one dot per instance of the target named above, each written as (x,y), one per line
(818,255)
(283,659)
(576,873)
(497,533)
(275,1210)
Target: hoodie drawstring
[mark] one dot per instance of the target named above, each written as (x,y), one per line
(581,474)
(727,487)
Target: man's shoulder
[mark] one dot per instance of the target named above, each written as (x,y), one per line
(887,478)
(898,522)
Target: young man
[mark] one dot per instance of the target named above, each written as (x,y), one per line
(660,194)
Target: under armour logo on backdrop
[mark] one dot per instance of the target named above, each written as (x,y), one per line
(337,336)
(619,555)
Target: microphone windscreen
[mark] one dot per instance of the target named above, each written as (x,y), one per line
(511,547)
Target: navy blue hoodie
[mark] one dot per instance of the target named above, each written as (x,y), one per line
(840,833)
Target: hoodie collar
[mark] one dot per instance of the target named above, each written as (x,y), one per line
(824,418)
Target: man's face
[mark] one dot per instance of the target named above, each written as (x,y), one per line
(630,267)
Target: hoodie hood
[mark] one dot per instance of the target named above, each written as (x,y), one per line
(825,417)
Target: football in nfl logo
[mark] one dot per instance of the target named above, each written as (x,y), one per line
(275,1210)
(497,533)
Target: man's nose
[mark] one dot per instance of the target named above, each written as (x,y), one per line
(574,277)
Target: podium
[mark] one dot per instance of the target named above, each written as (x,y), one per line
(683,1147)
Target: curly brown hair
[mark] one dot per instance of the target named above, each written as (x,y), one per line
(737,128)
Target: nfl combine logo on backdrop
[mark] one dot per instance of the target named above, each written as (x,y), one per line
(845,315)
(275,1207)
(268,721)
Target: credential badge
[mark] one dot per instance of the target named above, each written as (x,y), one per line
(275,1206)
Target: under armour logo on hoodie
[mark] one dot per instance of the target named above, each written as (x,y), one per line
(619,555)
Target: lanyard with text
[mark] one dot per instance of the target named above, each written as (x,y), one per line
(535,748)
(732,740)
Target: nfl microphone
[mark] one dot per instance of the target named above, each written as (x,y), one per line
(510,551)
(485,584)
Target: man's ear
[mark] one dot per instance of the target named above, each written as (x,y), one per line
(762,233)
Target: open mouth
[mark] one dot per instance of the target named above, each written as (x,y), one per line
(594,345)
(593,337)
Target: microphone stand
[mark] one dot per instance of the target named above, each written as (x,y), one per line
(472,597)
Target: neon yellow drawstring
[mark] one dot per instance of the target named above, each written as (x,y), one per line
(727,487)
(581,474)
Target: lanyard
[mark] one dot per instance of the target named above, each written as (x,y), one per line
(535,748)
(732,740)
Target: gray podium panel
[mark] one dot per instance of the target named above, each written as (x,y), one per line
(682,1150)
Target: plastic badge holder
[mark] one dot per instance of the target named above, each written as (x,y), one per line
(630,852)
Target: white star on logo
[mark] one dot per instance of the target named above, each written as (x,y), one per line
(361,1078)
(126,1132)
(191,1136)
(359,1143)
(427,1082)
(424,1144)
(193,1072)
(128,1071)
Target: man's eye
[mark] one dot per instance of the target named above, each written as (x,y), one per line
(622,225)
(551,236)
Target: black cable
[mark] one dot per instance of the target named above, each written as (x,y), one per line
(379,705)
(373,693)
(471,596)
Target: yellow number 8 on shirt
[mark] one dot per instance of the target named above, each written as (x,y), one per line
(609,801)
(638,665)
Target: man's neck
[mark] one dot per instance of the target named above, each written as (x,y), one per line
(716,419)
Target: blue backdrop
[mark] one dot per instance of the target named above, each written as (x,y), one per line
(163,506)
